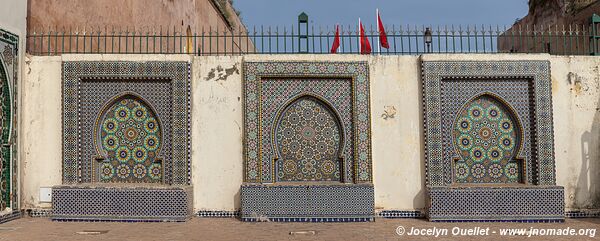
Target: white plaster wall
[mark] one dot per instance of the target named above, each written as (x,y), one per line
(41,128)
(398,160)
(575,93)
(217,163)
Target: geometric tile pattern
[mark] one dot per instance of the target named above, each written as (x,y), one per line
(129,140)
(268,86)
(218,214)
(164,87)
(400,214)
(448,85)
(308,140)
(486,138)
(491,204)
(307,202)
(595,213)
(38,212)
(9,69)
(15,214)
(513,94)
(72,203)
(501,131)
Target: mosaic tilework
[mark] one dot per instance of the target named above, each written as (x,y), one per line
(501,203)
(38,212)
(524,85)
(486,137)
(307,202)
(268,85)
(400,214)
(583,213)
(88,86)
(16,214)
(308,220)
(515,94)
(463,95)
(218,214)
(129,139)
(9,69)
(72,203)
(308,140)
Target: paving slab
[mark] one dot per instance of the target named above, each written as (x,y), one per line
(233,229)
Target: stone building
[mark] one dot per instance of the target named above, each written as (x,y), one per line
(552,18)
(181,18)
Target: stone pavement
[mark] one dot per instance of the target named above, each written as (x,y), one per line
(233,229)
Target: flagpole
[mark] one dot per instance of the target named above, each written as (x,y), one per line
(359,37)
(378,38)
(337,30)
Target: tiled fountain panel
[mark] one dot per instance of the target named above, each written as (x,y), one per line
(497,204)
(489,141)
(307,142)
(9,69)
(71,203)
(308,203)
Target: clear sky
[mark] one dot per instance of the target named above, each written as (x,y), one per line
(420,12)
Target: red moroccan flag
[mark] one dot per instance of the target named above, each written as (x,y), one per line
(382,36)
(365,46)
(336,40)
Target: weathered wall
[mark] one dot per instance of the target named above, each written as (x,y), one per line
(137,17)
(396,109)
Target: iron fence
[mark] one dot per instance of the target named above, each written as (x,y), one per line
(410,40)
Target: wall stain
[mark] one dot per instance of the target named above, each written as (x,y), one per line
(388,112)
(220,73)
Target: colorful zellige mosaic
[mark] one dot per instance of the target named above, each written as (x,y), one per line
(9,67)
(308,137)
(268,86)
(524,86)
(88,87)
(490,122)
(130,137)
(486,137)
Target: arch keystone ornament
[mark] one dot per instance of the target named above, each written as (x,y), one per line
(498,155)
(307,142)
(126,142)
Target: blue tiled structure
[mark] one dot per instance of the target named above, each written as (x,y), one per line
(469,184)
(307,142)
(149,102)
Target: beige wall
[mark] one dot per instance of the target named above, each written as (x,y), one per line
(396,109)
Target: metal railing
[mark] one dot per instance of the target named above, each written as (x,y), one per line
(563,40)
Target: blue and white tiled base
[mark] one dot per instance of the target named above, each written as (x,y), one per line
(39,212)
(307,203)
(308,220)
(16,214)
(400,214)
(505,204)
(218,214)
(128,204)
(583,213)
